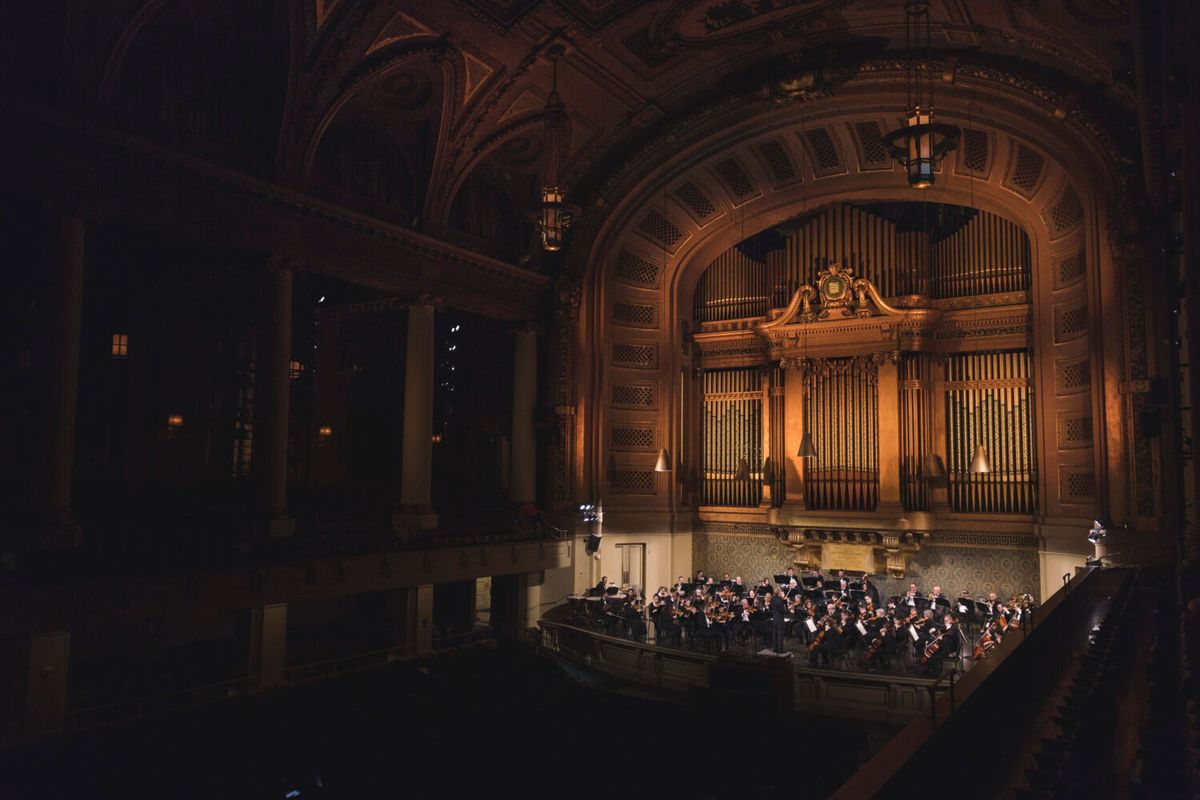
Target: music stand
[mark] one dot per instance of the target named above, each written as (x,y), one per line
(809,581)
(782,580)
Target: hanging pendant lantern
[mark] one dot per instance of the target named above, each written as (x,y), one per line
(920,144)
(555,216)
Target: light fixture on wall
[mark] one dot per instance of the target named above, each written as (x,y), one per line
(980,463)
(556,215)
(920,143)
(664,461)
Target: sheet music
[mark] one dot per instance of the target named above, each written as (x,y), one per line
(812,626)
(861,628)
(913,633)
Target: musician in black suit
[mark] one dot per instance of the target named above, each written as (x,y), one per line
(602,586)
(870,590)
(778,620)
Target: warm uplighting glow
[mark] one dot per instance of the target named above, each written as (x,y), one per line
(325,431)
(175,421)
(294,369)
(120,345)
(437,438)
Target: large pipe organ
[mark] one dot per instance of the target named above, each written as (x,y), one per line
(863,329)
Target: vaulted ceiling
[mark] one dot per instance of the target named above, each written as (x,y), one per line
(428,114)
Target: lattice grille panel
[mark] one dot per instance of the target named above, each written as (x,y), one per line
(624,438)
(696,201)
(870,138)
(1074,429)
(842,413)
(632,481)
(633,395)
(1070,322)
(660,229)
(732,434)
(824,151)
(635,314)
(1066,213)
(635,270)
(990,403)
(782,169)
(1072,375)
(1068,270)
(639,356)
(975,151)
(1027,171)
(735,178)
(1076,485)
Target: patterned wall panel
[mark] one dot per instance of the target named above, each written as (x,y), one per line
(1068,269)
(635,315)
(1076,484)
(1072,374)
(1073,428)
(635,355)
(978,569)
(1070,321)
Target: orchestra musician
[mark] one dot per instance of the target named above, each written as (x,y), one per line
(870,590)
(873,633)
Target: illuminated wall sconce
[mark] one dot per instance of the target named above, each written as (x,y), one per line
(120,345)
(294,369)
(175,421)
(437,438)
(324,432)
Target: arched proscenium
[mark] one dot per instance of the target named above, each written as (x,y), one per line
(672,212)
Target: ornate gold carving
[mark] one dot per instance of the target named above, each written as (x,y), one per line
(870,551)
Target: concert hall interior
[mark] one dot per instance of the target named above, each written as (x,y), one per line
(393,387)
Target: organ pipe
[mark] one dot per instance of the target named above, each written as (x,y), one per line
(985,255)
(732,431)
(842,414)
(989,402)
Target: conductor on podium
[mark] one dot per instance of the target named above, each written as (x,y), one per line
(778,620)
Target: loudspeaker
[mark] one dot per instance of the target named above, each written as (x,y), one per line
(593,544)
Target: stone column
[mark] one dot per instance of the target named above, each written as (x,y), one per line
(268,645)
(61,382)
(523,476)
(275,357)
(416,510)
(889,438)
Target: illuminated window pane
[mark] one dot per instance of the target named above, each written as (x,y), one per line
(120,345)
